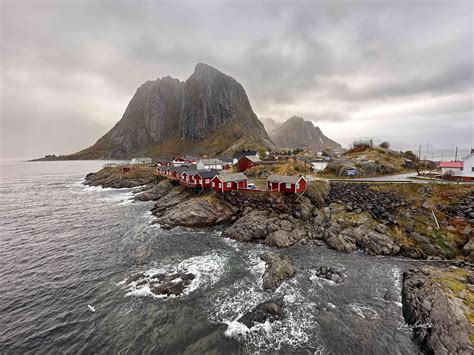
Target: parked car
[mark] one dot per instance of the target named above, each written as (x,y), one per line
(251,186)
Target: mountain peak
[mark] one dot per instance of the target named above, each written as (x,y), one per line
(210,113)
(296,119)
(202,68)
(296,132)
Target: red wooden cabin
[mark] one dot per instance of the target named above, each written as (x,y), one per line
(246,162)
(204,178)
(229,182)
(292,184)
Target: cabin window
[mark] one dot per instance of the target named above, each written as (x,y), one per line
(220,185)
(229,184)
(297,186)
(288,185)
(206,180)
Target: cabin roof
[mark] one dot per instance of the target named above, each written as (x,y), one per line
(231,177)
(285,178)
(252,158)
(211,161)
(205,174)
(451,164)
(242,153)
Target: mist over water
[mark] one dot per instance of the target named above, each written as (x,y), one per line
(64,246)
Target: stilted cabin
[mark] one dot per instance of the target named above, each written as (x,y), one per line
(203,178)
(176,171)
(229,182)
(162,170)
(188,176)
(292,184)
(247,161)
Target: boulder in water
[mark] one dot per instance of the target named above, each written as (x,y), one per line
(279,268)
(269,310)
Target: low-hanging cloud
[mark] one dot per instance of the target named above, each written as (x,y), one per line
(351,68)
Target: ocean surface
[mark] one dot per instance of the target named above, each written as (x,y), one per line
(64,246)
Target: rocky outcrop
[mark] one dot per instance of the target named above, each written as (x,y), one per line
(178,209)
(267,311)
(298,133)
(437,305)
(369,162)
(278,269)
(209,113)
(360,197)
(162,284)
(329,273)
(114,178)
(155,192)
(276,230)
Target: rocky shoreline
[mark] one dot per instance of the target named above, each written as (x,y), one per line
(418,222)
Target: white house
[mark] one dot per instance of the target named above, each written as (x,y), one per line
(210,164)
(468,167)
(318,166)
(141,161)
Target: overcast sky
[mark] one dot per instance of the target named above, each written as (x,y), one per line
(392,70)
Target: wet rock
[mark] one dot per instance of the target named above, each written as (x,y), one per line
(329,273)
(135,277)
(269,310)
(436,313)
(173,284)
(155,192)
(390,295)
(278,269)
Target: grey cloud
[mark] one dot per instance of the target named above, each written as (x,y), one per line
(285,54)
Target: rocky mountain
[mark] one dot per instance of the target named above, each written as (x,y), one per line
(298,133)
(269,123)
(210,113)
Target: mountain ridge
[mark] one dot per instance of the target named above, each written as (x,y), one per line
(209,113)
(296,132)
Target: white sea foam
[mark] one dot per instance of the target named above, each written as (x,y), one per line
(207,269)
(228,305)
(364,311)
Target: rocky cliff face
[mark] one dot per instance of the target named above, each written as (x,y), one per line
(298,133)
(209,113)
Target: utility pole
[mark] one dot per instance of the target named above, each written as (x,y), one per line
(419,152)
(456,154)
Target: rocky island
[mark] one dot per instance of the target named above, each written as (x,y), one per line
(430,223)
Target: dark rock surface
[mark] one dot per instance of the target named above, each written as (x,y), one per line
(270,310)
(436,304)
(155,192)
(277,230)
(117,180)
(329,273)
(278,269)
(358,196)
(162,284)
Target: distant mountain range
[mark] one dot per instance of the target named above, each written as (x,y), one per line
(209,114)
(298,133)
